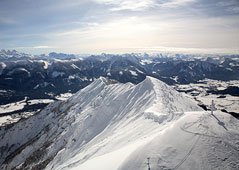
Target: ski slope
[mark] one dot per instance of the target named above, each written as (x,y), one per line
(111,126)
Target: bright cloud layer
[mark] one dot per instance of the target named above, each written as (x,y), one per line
(98,26)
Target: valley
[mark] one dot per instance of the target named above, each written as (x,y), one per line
(28,83)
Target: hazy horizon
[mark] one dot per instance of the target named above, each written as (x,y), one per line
(124,26)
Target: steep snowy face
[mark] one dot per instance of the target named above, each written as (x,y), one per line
(102,118)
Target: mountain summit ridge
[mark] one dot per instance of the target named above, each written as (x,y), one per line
(101,122)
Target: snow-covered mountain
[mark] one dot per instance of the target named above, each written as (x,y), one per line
(47,76)
(109,125)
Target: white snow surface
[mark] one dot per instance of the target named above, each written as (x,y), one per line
(64,96)
(37,101)
(2,67)
(118,126)
(146,61)
(12,106)
(133,73)
(19,70)
(4,119)
(56,74)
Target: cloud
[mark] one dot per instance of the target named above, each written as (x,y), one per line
(100,25)
(132,5)
(42,46)
(235,9)
(8,21)
(229,5)
(36,47)
(141,5)
(175,33)
(158,49)
(176,3)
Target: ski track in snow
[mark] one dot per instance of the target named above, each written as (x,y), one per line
(188,154)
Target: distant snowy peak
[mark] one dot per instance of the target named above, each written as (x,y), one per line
(12,55)
(8,55)
(61,56)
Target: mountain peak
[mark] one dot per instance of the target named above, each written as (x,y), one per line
(102,122)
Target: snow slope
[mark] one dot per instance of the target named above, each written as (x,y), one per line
(196,141)
(112,126)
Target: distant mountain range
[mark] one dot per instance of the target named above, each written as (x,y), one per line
(45,76)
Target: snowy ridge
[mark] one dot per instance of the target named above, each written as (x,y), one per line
(120,107)
(117,126)
(168,103)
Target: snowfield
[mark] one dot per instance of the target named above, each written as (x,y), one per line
(18,106)
(199,92)
(110,126)
(12,106)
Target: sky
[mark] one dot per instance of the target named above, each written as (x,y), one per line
(120,26)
